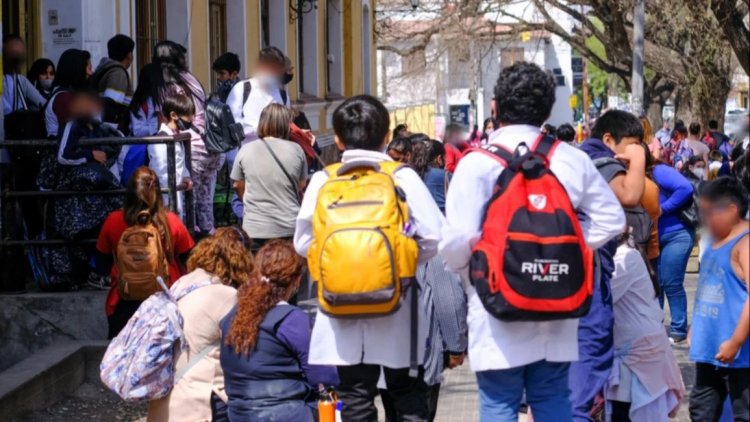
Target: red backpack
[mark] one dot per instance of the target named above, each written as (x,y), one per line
(532,262)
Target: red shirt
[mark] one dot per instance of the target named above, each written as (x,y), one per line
(110,235)
(453,155)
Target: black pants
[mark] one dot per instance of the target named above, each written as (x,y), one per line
(712,384)
(433,392)
(359,385)
(120,317)
(620,411)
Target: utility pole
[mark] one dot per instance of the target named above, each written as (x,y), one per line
(639,20)
(585,85)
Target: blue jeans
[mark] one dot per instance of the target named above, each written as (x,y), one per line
(675,252)
(238,207)
(546,386)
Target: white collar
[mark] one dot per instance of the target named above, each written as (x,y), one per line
(364,155)
(165,128)
(514,134)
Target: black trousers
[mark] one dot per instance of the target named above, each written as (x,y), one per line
(433,392)
(712,385)
(120,317)
(358,387)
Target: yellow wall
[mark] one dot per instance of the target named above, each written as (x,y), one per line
(252,34)
(199,51)
(420,118)
(352,60)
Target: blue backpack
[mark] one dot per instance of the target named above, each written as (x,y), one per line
(137,156)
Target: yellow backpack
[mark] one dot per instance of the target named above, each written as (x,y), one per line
(361,252)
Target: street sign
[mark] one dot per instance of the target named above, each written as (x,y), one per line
(460,114)
(573,101)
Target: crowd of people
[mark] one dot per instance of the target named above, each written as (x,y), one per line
(544,260)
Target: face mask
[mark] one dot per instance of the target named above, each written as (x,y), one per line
(225,85)
(699,172)
(46,84)
(183,125)
(286,78)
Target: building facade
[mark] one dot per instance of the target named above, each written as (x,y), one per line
(330,42)
(458,75)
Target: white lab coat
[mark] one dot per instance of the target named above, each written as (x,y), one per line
(494,344)
(378,341)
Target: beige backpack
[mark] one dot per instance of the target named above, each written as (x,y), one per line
(140,259)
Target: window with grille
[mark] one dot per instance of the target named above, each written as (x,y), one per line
(217,28)
(150,27)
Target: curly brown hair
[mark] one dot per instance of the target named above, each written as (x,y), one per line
(276,277)
(226,255)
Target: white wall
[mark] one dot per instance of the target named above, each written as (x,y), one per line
(66,32)
(236,32)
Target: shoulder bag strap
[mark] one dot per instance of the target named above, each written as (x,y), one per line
(195,359)
(281,166)
(246,88)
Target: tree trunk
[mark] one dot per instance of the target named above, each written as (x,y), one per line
(654,112)
(709,96)
(656,93)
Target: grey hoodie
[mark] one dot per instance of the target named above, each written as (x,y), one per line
(112,80)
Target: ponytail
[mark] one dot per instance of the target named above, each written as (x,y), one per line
(144,205)
(277,274)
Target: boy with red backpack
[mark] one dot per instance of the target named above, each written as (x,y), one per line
(523,215)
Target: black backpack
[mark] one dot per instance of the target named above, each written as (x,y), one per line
(222,132)
(640,228)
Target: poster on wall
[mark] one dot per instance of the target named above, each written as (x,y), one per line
(61,27)
(459,114)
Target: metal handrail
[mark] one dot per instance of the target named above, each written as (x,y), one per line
(171,189)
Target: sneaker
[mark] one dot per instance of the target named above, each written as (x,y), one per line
(674,339)
(97,282)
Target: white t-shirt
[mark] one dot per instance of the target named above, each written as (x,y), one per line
(248,112)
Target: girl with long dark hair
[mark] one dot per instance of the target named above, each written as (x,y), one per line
(73,72)
(144,118)
(265,342)
(170,73)
(41,74)
(143,205)
(428,160)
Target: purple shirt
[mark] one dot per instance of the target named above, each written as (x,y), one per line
(294,331)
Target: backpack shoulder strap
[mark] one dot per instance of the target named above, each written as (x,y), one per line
(247,87)
(332,169)
(545,146)
(390,167)
(284,96)
(497,152)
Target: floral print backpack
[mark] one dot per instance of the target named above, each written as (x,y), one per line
(139,363)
